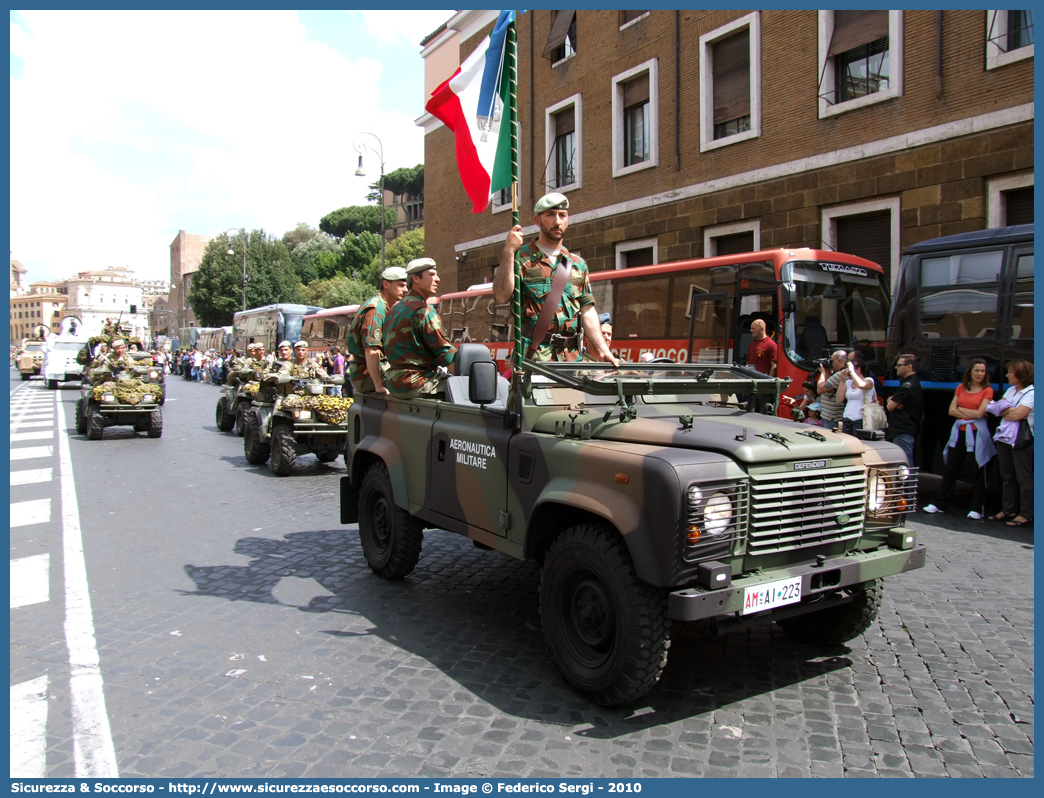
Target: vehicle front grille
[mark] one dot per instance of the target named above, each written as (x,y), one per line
(796,510)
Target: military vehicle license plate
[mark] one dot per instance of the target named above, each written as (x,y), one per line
(770,595)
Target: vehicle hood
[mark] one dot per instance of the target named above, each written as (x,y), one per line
(738,434)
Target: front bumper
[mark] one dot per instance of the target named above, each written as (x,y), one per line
(695,604)
(118,410)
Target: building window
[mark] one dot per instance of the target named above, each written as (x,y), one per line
(860,59)
(1009,200)
(561,44)
(631,254)
(730,83)
(563,123)
(628,18)
(1009,37)
(732,239)
(868,230)
(636,119)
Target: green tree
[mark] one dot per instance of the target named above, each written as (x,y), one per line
(356,219)
(337,291)
(397,252)
(305,257)
(217,287)
(357,253)
(300,234)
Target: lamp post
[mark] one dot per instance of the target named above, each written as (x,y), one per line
(231,252)
(361,147)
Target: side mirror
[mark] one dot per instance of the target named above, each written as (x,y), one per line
(337,379)
(482,385)
(283,379)
(788,296)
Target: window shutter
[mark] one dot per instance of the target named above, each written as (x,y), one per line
(868,235)
(636,92)
(559,31)
(734,244)
(1018,205)
(855,28)
(731,72)
(638,257)
(565,121)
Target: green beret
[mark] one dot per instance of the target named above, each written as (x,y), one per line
(301,345)
(419,265)
(549,201)
(284,343)
(393,273)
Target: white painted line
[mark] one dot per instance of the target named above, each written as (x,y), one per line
(30,580)
(29,729)
(33,422)
(29,452)
(42,435)
(93,752)
(30,476)
(37,511)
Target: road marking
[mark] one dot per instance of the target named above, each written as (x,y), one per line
(33,422)
(30,580)
(36,511)
(29,718)
(93,752)
(18,437)
(30,476)
(29,452)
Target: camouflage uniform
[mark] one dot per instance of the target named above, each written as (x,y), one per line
(113,365)
(302,371)
(415,343)
(367,331)
(537,274)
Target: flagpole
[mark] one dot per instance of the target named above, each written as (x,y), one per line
(516,299)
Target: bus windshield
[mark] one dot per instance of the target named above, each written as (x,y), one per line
(839,306)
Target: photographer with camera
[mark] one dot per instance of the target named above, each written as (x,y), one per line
(827,383)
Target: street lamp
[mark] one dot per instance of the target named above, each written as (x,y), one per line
(360,147)
(231,252)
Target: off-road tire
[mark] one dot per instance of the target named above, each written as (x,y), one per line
(284,455)
(391,538)
(95,425)
(606,629)
(327,452)
(155,428)
(141,427)
(81,418)
(224,420)
(52,385)
(839,624)
(25,377)
(255,450)
(241,413)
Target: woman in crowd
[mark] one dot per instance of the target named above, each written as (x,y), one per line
(1015,457)
(968,436)
(855,389)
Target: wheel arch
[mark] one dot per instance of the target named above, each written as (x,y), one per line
(374,449)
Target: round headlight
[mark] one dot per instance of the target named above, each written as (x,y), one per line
(903,471)
(695,495)
(717,515)
(878,491)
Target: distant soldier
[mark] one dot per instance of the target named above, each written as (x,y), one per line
(414,339)
(115,363)
(575,314)
(250,367)
(366,336)
(301,367)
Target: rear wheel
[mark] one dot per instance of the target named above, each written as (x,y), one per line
(284,455)
(95,425)
(81,418)
(25,377)
(391,538)
(155,428)
(255,450)
(224,420)
(838,624)
(241,412)
(607,629)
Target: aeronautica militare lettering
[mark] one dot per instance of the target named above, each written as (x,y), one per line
(470,453)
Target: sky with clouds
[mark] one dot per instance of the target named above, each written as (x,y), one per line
(127,127)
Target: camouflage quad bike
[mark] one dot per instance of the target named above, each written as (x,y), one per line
(133,399)
(645,498)
(293,425)
(233,405)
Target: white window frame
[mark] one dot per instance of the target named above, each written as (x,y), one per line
(634,21)
(707,40)
(996,206)
(995,56)
(631,246)
(829,75)
(713,233)
(652,67)
(576,101)
(829,217)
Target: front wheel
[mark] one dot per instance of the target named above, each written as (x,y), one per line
(607,630)
(241,411)
(95,425)
(391,538)
(284,453)
(81,417)
(52,385)
(255,450)
(155,428)
(838,624)
(25,377)
(224,420)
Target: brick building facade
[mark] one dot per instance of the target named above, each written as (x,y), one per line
(186,252)
(694,133)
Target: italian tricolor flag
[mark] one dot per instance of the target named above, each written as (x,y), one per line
(472,104)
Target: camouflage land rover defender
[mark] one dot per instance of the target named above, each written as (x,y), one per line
(646,497)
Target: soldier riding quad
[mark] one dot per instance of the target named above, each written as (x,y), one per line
(294,424)
(645,498)
(133,399)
